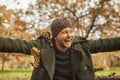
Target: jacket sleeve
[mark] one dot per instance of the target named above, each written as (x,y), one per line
(17,45)
(105,45)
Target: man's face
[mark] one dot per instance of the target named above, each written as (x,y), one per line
(64,38)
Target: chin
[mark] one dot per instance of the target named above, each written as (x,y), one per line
(68,46)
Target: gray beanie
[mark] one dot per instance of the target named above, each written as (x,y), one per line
(58,25)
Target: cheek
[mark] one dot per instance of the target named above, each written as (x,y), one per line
(59,39)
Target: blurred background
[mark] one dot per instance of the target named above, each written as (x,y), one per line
(27,19)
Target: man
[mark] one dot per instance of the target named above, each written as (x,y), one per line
(68,58)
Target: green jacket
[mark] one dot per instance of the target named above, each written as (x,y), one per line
(82,68)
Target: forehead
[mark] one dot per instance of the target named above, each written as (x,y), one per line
(67,29)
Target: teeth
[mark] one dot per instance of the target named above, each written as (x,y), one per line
(67,40)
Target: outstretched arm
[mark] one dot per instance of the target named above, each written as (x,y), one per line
(105,45)
(17,45)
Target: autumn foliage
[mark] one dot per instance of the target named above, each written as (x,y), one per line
(93,20)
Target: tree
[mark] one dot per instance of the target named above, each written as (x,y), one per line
(88,17)
(4,59)
(92,19)
(11,26)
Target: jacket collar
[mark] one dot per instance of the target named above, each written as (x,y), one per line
(48,58)
(78,39)
(76,59)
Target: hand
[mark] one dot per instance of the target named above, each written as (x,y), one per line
(35,52)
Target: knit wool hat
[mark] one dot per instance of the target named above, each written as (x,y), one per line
(58,25)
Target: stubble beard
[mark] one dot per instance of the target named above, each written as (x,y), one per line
(66,45)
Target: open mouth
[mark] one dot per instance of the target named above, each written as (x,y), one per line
(68,41)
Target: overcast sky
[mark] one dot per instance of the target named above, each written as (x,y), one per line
(16,4)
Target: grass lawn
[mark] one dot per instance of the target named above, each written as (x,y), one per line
(108,72)
(15,74)
(26,74)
